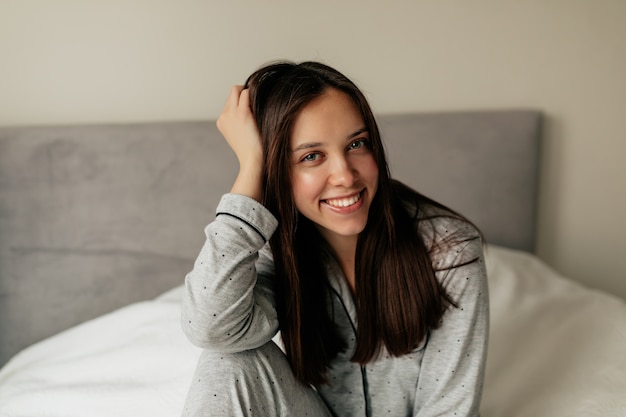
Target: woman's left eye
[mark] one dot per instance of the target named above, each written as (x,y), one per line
(358,144)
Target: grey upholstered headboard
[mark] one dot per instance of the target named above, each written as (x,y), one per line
(483,164)
(96,217)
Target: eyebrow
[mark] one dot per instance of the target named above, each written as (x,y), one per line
(308,145)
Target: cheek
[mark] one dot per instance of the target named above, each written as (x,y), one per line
(369,170)
(306,187)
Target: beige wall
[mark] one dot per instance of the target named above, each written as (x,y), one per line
(80,61)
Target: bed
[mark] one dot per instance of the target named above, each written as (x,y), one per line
(100,223)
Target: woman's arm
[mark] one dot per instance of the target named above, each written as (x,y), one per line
(453,365)
(228,301)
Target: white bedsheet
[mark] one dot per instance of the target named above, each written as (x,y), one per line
(556,349)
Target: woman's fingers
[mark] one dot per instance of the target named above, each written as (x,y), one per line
(230,107)
(238,126)
(244,98)
(232,101)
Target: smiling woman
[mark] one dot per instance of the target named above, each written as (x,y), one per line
(379,292)
(334,179)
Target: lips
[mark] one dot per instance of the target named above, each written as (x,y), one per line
(344,201)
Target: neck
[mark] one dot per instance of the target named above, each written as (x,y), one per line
(344,250)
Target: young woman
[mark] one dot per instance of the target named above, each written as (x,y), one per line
(379,293)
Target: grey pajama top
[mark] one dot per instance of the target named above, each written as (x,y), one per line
(228,305)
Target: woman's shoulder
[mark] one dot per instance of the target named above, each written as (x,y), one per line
(450,238)
(435,221)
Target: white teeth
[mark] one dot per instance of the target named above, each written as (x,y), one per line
(344,202)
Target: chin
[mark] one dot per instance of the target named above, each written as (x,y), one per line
(348,231)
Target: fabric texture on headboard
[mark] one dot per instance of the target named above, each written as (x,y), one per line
(96,217)
(483,164)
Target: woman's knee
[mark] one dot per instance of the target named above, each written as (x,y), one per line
(237,384)
(251,365)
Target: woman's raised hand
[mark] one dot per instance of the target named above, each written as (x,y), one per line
(238,126)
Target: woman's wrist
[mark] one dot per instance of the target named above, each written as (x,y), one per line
(249,182)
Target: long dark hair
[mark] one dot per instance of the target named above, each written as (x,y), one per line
(393,262)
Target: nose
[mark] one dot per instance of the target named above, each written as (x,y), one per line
(342,173)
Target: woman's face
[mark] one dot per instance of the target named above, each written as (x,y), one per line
(334,174)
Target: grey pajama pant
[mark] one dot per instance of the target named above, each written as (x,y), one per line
(257,382)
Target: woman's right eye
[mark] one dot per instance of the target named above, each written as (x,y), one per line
(311,157)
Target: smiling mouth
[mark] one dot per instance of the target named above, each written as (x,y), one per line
(343,202)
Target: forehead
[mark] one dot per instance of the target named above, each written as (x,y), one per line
(333,114)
